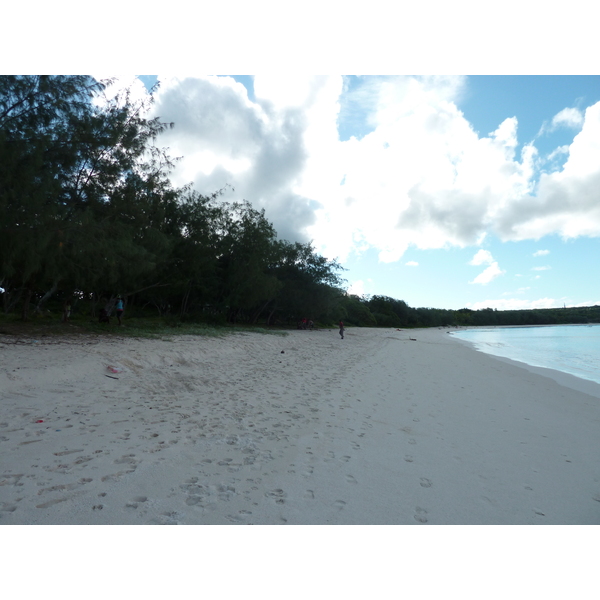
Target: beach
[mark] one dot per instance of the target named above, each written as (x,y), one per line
(384,427)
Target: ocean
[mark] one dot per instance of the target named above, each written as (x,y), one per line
(573,349)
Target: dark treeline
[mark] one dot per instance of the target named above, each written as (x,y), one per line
(382,311)
(87,212)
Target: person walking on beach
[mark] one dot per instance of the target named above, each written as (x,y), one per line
(119,309)
(342,329)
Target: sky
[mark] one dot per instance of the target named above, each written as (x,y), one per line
(442,191)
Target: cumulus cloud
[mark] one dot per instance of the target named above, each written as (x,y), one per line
(541,253)
(419,176)
(488,274)
(483,257)
(412,263)
(546,268)
(566,201)
(261,148)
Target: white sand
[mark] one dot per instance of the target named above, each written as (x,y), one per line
(374,429)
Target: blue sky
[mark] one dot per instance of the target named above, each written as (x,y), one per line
(445,192)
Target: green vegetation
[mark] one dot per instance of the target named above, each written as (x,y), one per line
(87,212)
(382,311)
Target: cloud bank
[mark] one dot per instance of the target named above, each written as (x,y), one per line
(417,175)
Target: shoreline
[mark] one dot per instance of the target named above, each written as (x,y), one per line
(385,427)
(575,382)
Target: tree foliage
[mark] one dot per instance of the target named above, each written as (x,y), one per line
(87,211)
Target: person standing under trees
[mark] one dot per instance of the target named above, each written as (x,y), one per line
(341,328)
(119,309)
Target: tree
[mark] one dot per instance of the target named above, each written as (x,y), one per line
(36,116)
(83,190)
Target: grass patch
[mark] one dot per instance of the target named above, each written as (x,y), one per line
(142,327)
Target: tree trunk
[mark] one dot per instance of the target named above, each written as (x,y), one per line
(184,301)
(46,296)
(259,312)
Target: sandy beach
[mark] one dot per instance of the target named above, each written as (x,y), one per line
(306,428)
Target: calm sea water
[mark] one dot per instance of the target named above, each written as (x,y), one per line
(573,349)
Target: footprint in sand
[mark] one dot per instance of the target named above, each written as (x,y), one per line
(420,516)
(126,459)
(426,483)
(350,479)
(240,517)
(136,502)
(277,495)
(408,458)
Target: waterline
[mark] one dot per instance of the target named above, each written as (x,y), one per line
(573,349)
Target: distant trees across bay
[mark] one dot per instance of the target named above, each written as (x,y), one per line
(88,212)
(382,311)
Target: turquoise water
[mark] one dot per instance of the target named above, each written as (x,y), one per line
(573,349)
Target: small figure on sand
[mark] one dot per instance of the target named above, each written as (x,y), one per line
(341,328)
(119,309)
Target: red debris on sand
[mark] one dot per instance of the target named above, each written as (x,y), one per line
(40,421)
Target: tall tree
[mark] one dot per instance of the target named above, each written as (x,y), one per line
(83,189)
(35,118)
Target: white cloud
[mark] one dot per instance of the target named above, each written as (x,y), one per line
(587,303)
(483,257)
(569,117)
(120,85)
(560,151)
(541,253)
(566,201)
(357,288)
(546,268)
(488,274)
(422,176)
(412,263)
